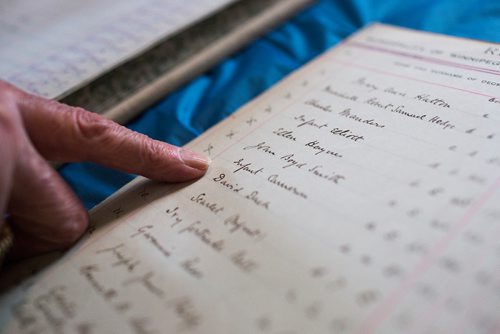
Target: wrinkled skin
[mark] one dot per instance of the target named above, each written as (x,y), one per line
(41,209)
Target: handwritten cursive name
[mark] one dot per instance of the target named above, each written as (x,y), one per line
(236,224)
(309,122)
(330,176)
(262,146)
(120,258)
(245,167)
(201,199)
(439,102)
(369,121)
(345,96)
(204,234)
(255,198)
(144,231)
(315,146)
(347,134)
(318,105)
(275,179)
(221,179)
(291,161)
(288,134)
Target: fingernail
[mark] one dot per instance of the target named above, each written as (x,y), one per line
(194,160)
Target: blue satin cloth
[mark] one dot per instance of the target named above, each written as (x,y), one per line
(211,97)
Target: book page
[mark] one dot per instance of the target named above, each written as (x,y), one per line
(359,195)
(129,89)
(56,46)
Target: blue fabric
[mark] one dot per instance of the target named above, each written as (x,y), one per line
(211,97)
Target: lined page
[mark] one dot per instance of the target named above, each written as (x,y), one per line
(359,195)
(56,46)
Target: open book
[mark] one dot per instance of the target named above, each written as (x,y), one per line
(361,194)
(117,58)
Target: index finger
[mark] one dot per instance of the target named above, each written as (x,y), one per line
(64,133)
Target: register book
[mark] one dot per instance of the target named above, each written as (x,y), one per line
(361,194)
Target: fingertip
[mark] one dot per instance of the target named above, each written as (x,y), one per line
(194,160)
(184,165)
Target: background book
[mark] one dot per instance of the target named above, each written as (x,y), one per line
(117,59)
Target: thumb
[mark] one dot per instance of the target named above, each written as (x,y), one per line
(43,211)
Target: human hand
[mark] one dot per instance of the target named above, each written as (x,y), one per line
(43,212)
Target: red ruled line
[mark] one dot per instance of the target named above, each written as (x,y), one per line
(411,78)
(424,58)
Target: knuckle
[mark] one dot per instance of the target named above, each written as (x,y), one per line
(91,126)
(155,153)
